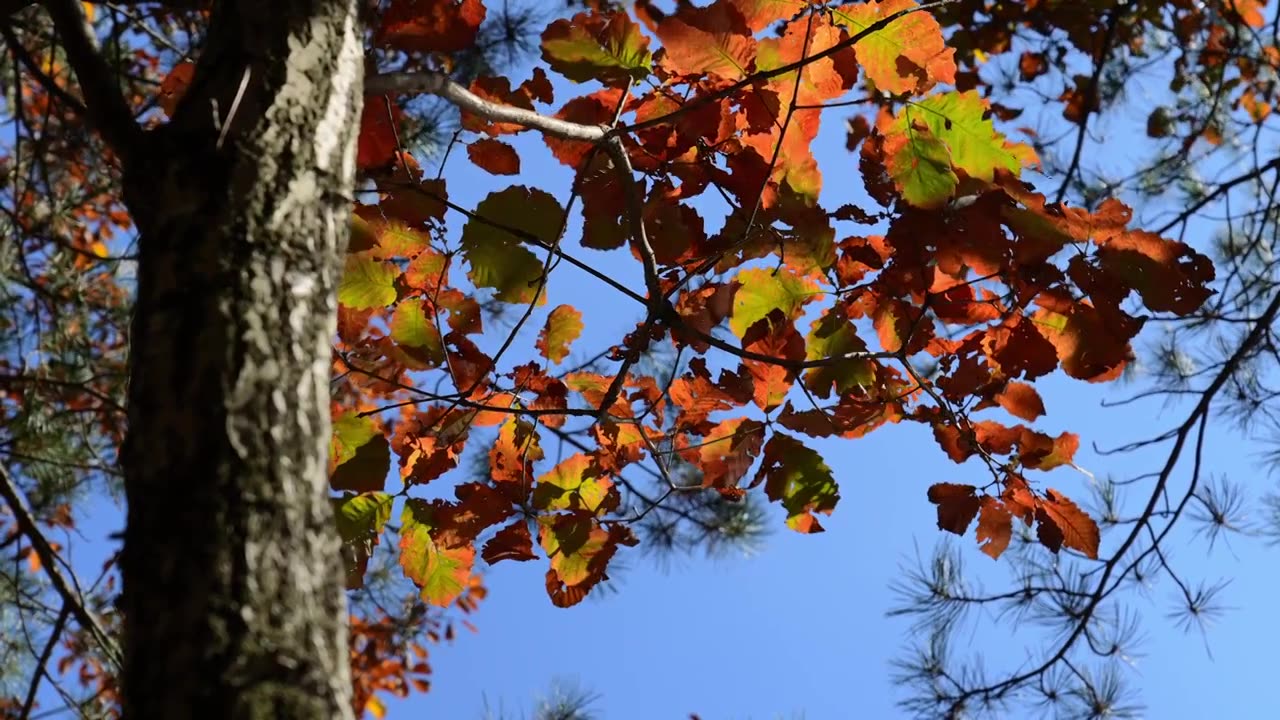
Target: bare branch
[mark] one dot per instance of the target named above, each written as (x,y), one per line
(439,84)
(105,106)
(49,561)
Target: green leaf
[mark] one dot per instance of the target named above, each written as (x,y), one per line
(597,46)
(442,572)
(362,516)
(833,335)
(763,291)
(497,257)
(957,120)
(797,476)
(415,333)
(367,283)
(360,520)
(574,485)
(920,164)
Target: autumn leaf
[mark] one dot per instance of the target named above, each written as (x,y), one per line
(563,326)
(957,506)
(441,572)
(494,156)
(580,551)
(441,26)
(575,484)
(597,46)
(416,334)
(376,144)
(712,40)
(359,455)
(954,123)
(725,452)
(774,337)
(512,542)
(1021,400)
(174,86)
(796,475)
(761,292)
(920,164)
(360,520)
(1169,275)
(512,456)
(995,527)
(908,56)
(498,258)
(1071,526)
(367,283)
(834,336)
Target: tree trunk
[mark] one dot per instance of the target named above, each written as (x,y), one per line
(233,593)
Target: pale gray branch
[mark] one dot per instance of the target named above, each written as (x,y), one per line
(439,84)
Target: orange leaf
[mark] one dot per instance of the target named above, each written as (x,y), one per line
(711,40)
(1021,400)
(995,527)
(1072,526)
(494,156)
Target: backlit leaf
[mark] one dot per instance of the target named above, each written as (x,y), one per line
(497,257)
(359,455)
(995,527)
(360,520)
(574,484)
(597,46)
(563,326)
(416,334)
(908,56)
(712,40)
(442,573)
(957,506)
(763,291)
(367,283)
(494,156)
(1077,530)
(441,26)
(796,475)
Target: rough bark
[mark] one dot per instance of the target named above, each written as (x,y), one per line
(233,593)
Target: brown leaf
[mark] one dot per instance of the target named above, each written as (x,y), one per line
(957,505)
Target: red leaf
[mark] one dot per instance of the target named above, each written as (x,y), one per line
(957,505)
(494,156)
(441,26)
(376,146)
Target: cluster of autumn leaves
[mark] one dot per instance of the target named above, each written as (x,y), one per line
(831,310)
